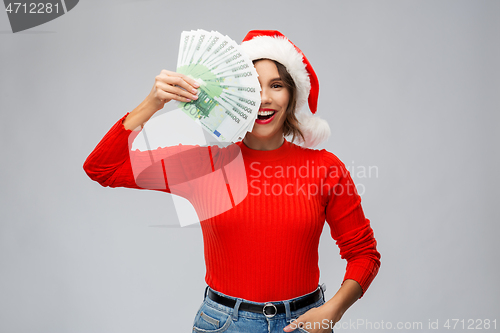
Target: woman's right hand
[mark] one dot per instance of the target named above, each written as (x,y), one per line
(173,86)
(168,86)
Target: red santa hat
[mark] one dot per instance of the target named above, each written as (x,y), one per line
(273,45)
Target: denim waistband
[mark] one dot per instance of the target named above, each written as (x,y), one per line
(235,312)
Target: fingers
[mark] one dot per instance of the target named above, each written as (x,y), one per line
(167,92)
(294,325)
(171,85)
(185,79)
(180,80)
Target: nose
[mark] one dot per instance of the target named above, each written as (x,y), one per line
(265,97)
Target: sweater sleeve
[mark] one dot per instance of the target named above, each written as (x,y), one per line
(348,225)
(112,163)
(109,163)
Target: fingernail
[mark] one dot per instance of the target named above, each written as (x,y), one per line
(196,84)
(194,91)
(195,97)
(188,100)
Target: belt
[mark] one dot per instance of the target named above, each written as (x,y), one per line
(268,309)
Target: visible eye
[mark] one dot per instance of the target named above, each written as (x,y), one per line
(276,85)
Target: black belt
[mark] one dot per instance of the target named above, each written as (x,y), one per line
(268,309)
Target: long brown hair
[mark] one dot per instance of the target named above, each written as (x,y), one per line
(291,124)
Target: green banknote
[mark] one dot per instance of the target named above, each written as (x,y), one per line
(229,93)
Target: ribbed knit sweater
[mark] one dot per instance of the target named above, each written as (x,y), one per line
(265,247)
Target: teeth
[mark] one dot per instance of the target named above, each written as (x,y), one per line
(265,113)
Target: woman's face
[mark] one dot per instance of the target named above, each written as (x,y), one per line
(274,102)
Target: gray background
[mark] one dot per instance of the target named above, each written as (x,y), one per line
(411,87)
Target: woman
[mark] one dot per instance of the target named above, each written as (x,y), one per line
(262,255)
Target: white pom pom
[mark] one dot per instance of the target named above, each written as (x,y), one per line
(315,129)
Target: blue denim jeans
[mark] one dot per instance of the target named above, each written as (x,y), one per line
(213,317)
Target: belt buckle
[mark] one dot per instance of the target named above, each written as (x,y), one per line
(271,305)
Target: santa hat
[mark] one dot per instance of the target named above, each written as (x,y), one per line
(273,45)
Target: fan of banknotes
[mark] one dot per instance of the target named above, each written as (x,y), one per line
(229,93)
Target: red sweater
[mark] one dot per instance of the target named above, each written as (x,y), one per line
(265,247)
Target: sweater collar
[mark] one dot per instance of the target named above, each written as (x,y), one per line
(265,155)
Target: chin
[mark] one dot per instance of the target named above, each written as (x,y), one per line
(261,134)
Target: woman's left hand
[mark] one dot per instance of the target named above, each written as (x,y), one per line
(316,320)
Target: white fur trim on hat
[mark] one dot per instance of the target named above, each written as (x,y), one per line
(314,129)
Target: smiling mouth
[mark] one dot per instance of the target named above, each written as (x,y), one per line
(265,114)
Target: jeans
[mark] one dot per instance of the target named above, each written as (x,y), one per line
(213,317)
